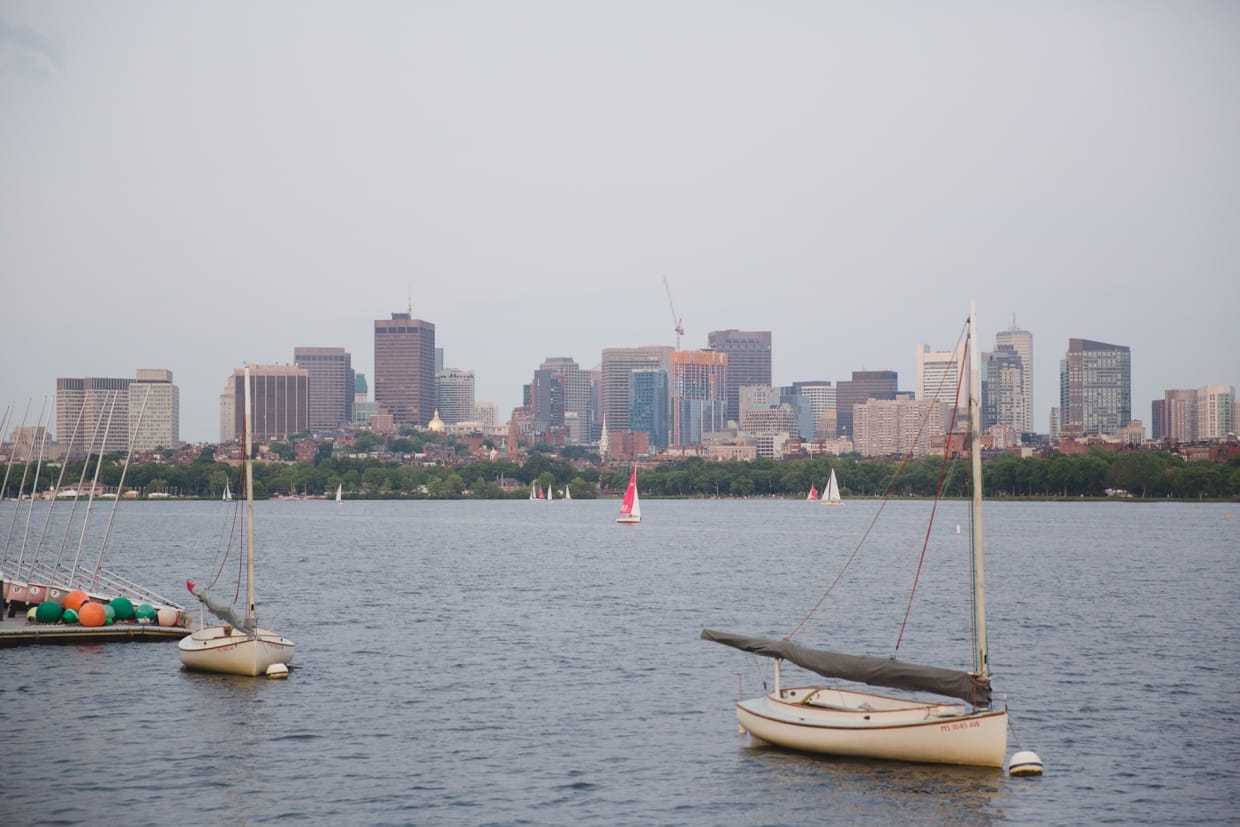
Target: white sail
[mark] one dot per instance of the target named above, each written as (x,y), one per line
(831,494)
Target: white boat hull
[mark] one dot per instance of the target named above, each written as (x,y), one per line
(226,650)
(845,722)
(628,519)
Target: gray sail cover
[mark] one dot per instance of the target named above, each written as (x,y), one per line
(887,672)
(224,610)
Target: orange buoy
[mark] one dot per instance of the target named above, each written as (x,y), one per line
(92,614)
(75,599)
(167,616)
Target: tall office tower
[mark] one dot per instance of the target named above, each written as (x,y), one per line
(94,413)
(546,399)
(699,389)
(454,395)
(938,374)
(1214,406)
(749,361)
(1179,416)
(865,384)
(577,397)
(1021,341)
(154,411)
(438,359)
(1003,401)
(1158,419)
(618,363)
(820,396)
(1095,388)
(648,405)
(281,397)
(886,427)
(405,369)
(332,385)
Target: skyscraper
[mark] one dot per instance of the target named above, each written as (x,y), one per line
(281,399)
(405,368)
(1095,388)
(618,363)
(1003,389)
(102,415)
(648,405)
(749,361)
(938,375)
(865,384)
(1021,341)
(699,389)
(577,398)
(454,395)
(820,400)
(331,385)
(1214,411)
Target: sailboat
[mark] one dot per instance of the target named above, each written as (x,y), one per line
(227,493)
(533,491)
(339,491)
(241,646)
(971,729)
(813,493)
(831,494)
(568,493)
(631,508)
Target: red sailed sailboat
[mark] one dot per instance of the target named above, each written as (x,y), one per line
(631,508)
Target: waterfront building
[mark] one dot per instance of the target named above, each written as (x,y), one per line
(105,415)
(1214,411)
(1095,388)
(454,395)
(749,361)
(618,363)
(332,385)
(1020,341)
(405,369)
(865,384)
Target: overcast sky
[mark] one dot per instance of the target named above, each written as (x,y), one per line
(192,186)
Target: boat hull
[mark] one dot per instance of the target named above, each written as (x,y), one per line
(228,651)
(628,519)
(844,722)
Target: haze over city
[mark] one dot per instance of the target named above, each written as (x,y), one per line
(192,187)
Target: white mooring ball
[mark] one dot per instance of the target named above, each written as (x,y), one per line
(1025,763)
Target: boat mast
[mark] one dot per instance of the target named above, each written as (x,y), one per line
(250,615)
(982,664)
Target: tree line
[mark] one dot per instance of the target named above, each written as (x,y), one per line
(1139,474)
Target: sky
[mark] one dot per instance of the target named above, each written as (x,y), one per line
(194,186)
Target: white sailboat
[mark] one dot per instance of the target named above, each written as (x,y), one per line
(568,493)
(241,647)
(831,494)
(227,493)
(971,729)
(339,491)
(631,508)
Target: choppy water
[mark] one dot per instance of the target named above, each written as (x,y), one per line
(535,663)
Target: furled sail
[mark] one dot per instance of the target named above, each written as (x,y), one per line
(222,609)
(887,672)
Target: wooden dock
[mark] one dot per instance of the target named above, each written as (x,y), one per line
(18,632)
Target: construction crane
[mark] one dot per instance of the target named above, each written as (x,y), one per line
(680,329)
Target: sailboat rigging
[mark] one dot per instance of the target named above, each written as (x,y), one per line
(241,647)
(971,730)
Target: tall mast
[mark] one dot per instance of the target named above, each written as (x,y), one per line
(250,615)
(982,664)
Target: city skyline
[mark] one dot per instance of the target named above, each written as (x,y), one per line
(846,177)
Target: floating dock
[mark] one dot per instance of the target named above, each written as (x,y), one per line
(18,632)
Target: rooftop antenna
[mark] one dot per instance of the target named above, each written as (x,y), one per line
(411,299)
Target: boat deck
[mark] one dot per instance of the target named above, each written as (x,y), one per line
(18,632)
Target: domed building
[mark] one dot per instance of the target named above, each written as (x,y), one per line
(436,424)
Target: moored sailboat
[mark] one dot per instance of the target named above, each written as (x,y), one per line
(971,729)
(240,646)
